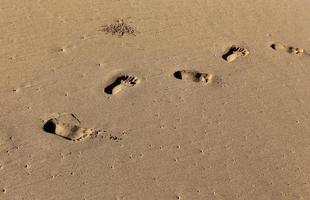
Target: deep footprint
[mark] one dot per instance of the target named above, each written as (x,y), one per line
(121,83)
(194,76)
(235,52)
(68,126)
(290,49)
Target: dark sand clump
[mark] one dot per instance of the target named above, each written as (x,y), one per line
(119,28)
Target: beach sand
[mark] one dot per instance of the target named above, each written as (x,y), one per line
(132,100)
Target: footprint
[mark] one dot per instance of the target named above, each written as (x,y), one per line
(121,83)
(235,52)
(193,76)
(68,126)
(290,49)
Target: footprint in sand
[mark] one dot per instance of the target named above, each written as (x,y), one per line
(68,126)
(194,76)
(289,49)
(234,53)
(121,83)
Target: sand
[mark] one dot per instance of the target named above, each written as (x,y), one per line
(243,135)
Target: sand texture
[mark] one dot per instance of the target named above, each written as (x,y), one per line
(155,100)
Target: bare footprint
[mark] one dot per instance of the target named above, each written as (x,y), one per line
(194,76)
(68,126)
(121,83)
(235,52)
(290,49)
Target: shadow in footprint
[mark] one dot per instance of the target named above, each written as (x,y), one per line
(230,52)
(178,75)
(110,87)
(273,46)
(49,127)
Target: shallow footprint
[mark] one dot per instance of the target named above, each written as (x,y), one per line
(68,126)
(194,76)
(235,52)
(121,83)
(290,49)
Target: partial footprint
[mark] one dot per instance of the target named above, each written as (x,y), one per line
(121,83)
(193,76)
(235,52)
(290,49)
(68,126)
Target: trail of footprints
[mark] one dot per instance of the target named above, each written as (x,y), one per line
(69,126)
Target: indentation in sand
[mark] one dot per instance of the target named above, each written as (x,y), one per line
(235,52)
(121,83)
(194,76)
(289,49)
(68,126)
